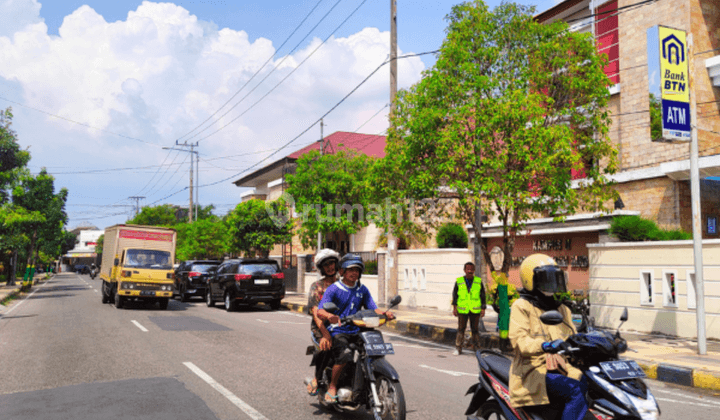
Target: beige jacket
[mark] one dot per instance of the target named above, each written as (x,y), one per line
(527,333)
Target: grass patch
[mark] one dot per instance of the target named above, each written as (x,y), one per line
(10,298)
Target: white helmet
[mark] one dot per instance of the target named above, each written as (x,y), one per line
(324,256)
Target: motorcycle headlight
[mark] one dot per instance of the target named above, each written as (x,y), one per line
(371,322)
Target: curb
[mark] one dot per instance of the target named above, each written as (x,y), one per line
(678,375)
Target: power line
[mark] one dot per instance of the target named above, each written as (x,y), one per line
(287,76)
(370,119)
(78,123)
(263,66)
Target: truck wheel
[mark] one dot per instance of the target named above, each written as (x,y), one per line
(209,299)
(229,304)
(103,292)
(118,301)
(164,303)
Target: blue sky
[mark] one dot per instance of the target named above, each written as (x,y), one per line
(98,87)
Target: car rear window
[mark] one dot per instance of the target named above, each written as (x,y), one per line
(258,269)
(203,268)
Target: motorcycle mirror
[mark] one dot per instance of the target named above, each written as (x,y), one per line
(586,302)
(624,316)
(395,301)
(117,262)
(551,318)
(330,307)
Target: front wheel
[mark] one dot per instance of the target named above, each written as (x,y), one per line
(491,411)
(118,301)
(209,299)
(392,399)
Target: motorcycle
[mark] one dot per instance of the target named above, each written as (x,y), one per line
(93,272)
(615,386)
(369,380)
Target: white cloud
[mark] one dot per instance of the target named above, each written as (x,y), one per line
(15,15)
(159,73)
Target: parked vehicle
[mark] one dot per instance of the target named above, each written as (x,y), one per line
(615,386)
(81,268)
(369,381)
(247,282)
(191,278)
(137,264)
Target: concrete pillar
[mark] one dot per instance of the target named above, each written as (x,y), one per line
(382,296)
(301,273)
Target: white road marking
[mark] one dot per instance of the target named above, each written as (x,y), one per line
(294,314)
(95,290)
(449,372)
(685,402)
(251,412)
(686,396)
(262,320)
(26,298)
(425,343)
(137,324)
(290,322)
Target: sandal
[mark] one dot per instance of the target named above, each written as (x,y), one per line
(312,388)
(330,399)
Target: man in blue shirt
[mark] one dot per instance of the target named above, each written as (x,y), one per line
(350,296)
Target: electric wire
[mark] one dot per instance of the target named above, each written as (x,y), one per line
(263,66)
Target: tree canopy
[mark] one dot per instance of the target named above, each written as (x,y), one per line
(510,112)
(253,230)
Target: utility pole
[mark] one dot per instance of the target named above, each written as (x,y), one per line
(695,205)
(192,165)
(197,183)
(322,152)
(137,203)
(392,243)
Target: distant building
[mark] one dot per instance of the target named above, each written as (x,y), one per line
(84,251)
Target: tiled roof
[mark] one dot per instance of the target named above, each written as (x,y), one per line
(367,144)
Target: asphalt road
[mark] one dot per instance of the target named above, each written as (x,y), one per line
(63,354)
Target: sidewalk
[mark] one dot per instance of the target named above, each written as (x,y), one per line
(667,359)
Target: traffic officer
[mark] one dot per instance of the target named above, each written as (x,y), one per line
(468,302)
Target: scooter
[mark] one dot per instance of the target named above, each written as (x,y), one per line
(93,273)
(615,386)
(369,380)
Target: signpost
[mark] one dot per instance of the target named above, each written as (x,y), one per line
(670,70)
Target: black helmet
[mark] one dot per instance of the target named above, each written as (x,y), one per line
(352,260)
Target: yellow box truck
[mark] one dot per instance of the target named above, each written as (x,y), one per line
(137,264)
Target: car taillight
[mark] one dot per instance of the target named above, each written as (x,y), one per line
(126,273)
(194,274)
(239,277)
(278,276)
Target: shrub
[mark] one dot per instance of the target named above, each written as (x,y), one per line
(636,229)
(452,235)
(371,267)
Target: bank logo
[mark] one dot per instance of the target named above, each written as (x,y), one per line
(673,48)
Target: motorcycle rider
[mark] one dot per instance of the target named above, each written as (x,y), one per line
(350,296)
(326,262)
(538,375)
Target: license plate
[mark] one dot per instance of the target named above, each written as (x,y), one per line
(262,281)
(379,349)
(622,369)
(147,293)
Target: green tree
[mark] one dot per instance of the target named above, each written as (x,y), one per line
(510,109)
(331,192)
(655,118)
(44,211)
(162,215)
(253,230)
(100,243)
(206,238)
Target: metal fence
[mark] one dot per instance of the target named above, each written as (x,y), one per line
(368,257)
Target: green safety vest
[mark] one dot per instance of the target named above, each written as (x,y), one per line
(469,302)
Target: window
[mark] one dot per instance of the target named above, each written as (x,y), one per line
(670,288)
(146,258)
(691,294)
(256,269)
(646,288)
(607,36)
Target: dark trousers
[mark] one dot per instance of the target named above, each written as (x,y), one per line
(474,328)
(568,393)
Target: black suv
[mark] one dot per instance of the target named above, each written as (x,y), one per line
(248,282)
(191,278)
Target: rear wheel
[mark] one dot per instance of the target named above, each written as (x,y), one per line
(103,292)
(229,304)
(491,411)
(209,299)
(183,294)
(392,399)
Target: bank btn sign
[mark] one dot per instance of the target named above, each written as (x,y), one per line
(669,82)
